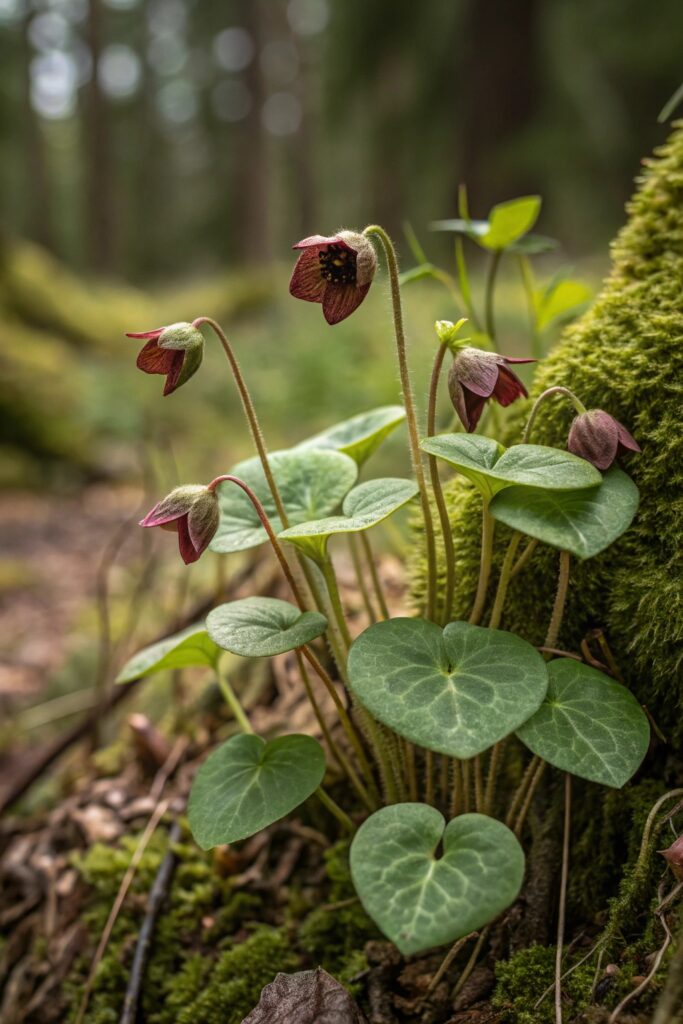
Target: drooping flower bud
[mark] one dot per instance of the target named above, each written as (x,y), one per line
(175,351)
(599,438)
(476,376)
(674,857)
(192,512)
(336,271)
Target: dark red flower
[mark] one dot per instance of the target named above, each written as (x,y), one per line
(476,376)
(192,512)
(674,857)
(176,351)
(335,271)
(599,438)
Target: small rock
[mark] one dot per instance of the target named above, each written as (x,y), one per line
(98,824)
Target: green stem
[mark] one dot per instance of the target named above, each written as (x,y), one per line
(494,263)
(563,897)
(444,518)
(360,578)
(529,290)
(429,777)
(464,282)
(374,575)
(377,742)
(505,577)
(560,601)
(487,528)
(334,809)
(406,387)
(524,557)
(494,763)
(557,389)
(335,599)
(232,701)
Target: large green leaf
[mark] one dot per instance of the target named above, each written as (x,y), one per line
(312,483)
(191,647)
(421,900)
(261,627)
(456,691)
(491,467)
(583,522)
(248,784)
(361,435)
(509,221)
(588,725)
(365,506)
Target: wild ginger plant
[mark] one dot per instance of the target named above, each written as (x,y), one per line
(424,706)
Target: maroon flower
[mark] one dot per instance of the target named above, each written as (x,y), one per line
(674,857)
(599,438)
(176,351)
(335,271)
(476,376)
(192,512)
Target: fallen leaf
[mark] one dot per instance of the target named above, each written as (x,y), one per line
(308,997)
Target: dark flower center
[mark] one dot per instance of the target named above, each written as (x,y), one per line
(337,265)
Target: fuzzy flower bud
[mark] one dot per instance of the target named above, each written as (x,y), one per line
(599,438)
(192,512)
(175,351)
(476,376)
(336,271)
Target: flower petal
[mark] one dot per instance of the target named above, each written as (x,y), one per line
(188,552)
(174,372)
(477,371)
(626,440)
(518,359)
(594,436)
(315,241)
(307,282)
(340,301)
(153,359)
(202,523)
(146,334)
(508,386)
(161,514)
(475,407)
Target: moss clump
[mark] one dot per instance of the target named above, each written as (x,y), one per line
(521,980)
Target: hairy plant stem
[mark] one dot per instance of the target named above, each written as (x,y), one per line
(372,730)
(409,751)
(524,557)
(560,601)
(465,769)
(407,389)
(494,763)
(444,518)
(557,389)
(504,579)
(233,701)
(456,789)
(539,769)
(335,599)
(360,578)
(563,897)
(374,575)
(334,809)
(471,963)
(491,275)
(429,777)
(521,790)
(487,528)
(443,967)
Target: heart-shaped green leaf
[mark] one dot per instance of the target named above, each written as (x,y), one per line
(527,245)
(261,627)
(361,435)
(365,506)
(248,784)
(582,522)
(456,691)
(311,482)
(191,647)
(491,467)
(419,901)
(588,725)
(509,221)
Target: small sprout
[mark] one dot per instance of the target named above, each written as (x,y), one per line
(336,271)
(175,351)
(476,376)
(674,857)
(599,438)
(192,512)
(447,331)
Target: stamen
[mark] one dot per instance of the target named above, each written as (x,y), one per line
(337,265)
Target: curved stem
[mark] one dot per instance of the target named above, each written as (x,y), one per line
(334,809)
(563,898)
(504,579)
(464,282)
(533,785)
(335,599)
(406,387)
(560,601)
(437,488)
(487,528)
(374,576)
(524,557)
(494,263)
(233,701)
(362,586)
(558,389)
(494,763)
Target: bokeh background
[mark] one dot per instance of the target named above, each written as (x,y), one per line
(157,160)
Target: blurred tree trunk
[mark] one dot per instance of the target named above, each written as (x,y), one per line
(39,217)
(99,196)
(500,89)
(252,179)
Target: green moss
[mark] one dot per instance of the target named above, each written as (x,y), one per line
(522,979)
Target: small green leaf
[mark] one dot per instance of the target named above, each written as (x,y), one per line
(533,245)
(311,482)
(187,649)
(456,691)
(365,506)
(583,522)
(527,245)
(588,725)
(419,900)
(361,435)
(419,273)
(509,221)
(248,784)
(261,627)
(491,467)
(560,299)
(474,229)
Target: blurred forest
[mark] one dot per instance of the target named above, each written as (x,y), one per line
(142,138)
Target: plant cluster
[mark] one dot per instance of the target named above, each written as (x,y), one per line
(424,705)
